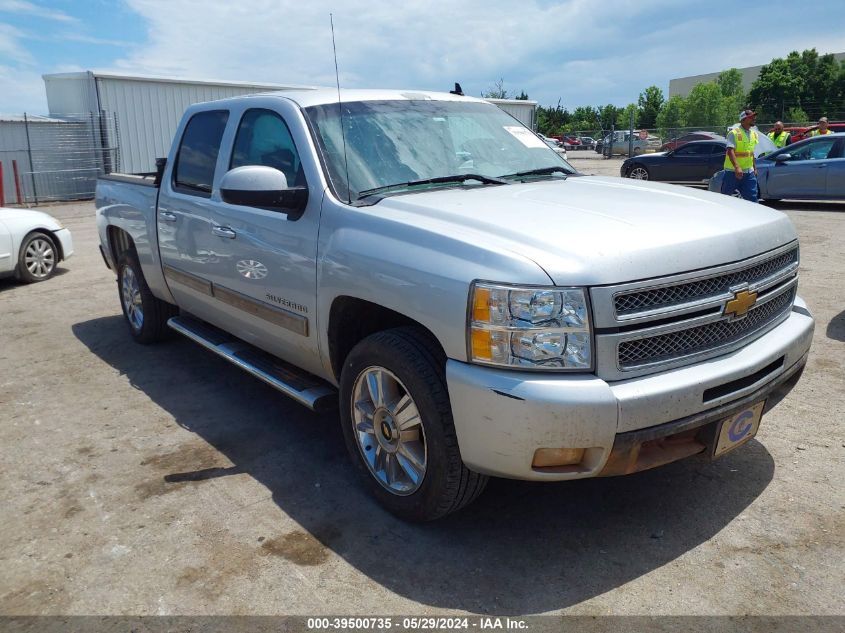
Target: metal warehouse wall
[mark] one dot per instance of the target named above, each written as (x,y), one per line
(148,113)
(148,110)
(525,111)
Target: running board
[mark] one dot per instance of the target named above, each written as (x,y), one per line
(303,387)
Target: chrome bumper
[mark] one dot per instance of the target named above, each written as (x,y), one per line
(502,417)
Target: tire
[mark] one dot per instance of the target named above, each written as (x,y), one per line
(419,477)
(37,258)
(639,172)
(145,314)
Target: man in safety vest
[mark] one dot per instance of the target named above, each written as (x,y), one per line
(779,136)
(822,129)
(740,166)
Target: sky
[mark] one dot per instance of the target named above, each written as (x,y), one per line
(581,52)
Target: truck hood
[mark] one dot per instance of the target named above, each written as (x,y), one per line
(591,230)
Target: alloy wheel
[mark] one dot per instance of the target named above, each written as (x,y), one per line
(389,430)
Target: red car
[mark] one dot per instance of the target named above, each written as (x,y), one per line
(800,133)
(675,143)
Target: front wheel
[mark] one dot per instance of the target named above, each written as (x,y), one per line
(38,258)
(398,426)
(145,314)
(638,172)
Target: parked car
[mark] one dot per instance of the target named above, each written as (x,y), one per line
(571,142)
(620,144)
(812,169)
(800,133)
(557,146)
(32,244)
(693,162)
(687,138)
(470,317)
(587,142)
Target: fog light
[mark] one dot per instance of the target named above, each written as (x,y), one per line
(551,457)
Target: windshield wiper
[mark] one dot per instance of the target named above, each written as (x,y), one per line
(457,178)
(542,171)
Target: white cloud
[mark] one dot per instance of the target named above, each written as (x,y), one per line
(11,48)
(21,90)
(415,44)
(23,7)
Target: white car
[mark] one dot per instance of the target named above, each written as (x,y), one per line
(32,243)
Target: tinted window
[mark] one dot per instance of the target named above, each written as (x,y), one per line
(693,150)
(263,138)
(194,169)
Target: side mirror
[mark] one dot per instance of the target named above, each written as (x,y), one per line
(782,158)
(264,188)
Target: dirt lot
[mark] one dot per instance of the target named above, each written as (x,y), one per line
(160,480)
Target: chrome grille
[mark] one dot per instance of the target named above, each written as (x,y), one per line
(665,347)
(667,296)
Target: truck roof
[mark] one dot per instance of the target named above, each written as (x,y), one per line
(322,96)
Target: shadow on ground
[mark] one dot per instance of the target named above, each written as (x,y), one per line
(836,327)
(833,206)
(520,548)
(7,283)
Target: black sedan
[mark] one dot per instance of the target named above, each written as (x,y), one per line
(693,162)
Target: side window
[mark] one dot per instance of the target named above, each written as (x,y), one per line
(193,172)
(689,150)
(263,138)
(815,150)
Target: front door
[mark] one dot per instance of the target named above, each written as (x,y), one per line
(688,163)
(804,175)
(265,280)
(836,173)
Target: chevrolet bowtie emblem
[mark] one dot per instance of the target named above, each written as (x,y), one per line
(740,304)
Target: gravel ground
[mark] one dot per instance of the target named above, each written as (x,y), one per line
(161,480)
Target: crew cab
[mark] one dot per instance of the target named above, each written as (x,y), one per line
(471,304)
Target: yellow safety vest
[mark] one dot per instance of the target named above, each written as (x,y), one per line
(779,139)
(820,133)
(744,149)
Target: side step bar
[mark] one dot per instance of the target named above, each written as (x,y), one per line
(306,389)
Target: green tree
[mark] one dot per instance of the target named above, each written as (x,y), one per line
(552,121)
(608,115)
(649,103)
(705,106)
(672,115)
(623,119)
(780,85)
(497,91)
(522,96)
(730,83)
(796,115)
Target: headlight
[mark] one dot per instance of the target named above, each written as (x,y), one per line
(530,328)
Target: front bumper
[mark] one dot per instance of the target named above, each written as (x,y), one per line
(66,241)
(502,417)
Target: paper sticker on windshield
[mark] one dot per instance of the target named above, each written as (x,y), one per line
(525,136)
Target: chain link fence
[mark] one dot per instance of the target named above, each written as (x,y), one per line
(59,158)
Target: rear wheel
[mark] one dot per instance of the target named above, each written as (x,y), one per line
(37,258)
(398,426)
(145,314)
(638,172)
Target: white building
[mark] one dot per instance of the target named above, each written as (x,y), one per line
(147,110)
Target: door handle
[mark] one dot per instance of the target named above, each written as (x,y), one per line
(223,231)
(167,216)
(820,166)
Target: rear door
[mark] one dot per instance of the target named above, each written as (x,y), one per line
(184,212)
(7,262)
(715,159)
(265,281)
(805,174)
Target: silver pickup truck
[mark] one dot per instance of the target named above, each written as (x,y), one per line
(473,305)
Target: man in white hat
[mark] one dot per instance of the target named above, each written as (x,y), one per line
(740,166)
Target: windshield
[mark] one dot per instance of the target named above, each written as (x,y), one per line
(401,142)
